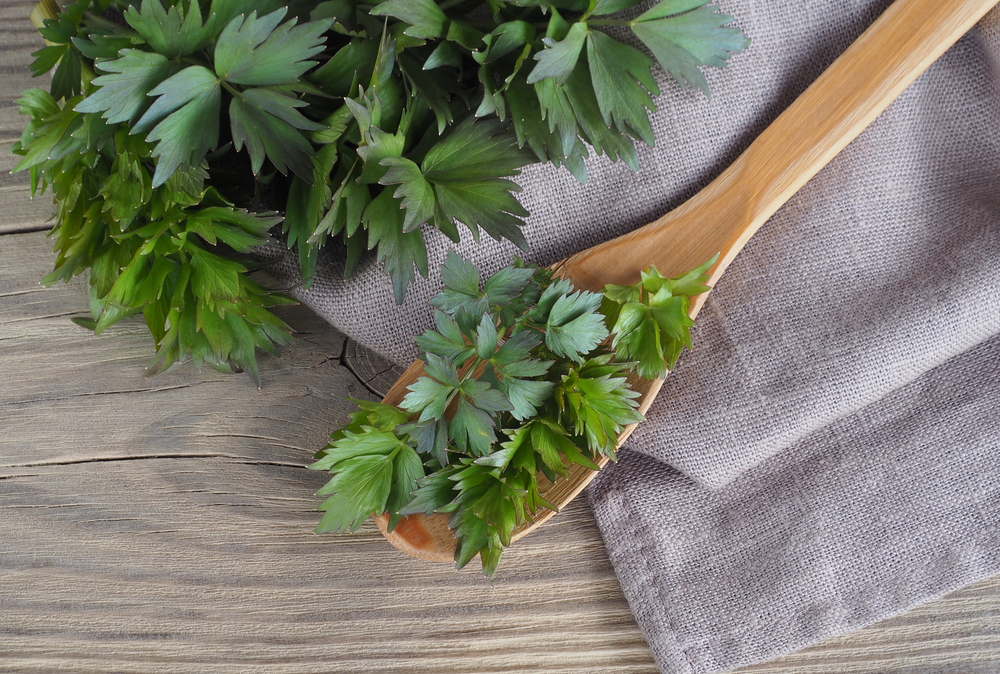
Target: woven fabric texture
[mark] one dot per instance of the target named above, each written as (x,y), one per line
(879,511)
(827,454)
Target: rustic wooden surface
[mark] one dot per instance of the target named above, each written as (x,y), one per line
(165,524)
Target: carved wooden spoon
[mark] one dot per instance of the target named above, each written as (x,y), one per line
(838,106)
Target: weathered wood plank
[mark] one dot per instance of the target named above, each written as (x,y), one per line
(25,214)
(165,524)
(18,39)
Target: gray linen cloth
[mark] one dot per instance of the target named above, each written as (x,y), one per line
(827,455)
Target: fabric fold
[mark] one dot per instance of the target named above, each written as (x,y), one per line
(887,508)
(879,270)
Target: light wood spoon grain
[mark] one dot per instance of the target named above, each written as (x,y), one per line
(900,45)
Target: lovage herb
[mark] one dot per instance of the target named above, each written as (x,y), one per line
(519,379)
(177,133)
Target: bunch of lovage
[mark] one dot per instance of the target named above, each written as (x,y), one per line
(177,135)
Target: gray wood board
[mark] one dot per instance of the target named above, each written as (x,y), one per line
(165,524)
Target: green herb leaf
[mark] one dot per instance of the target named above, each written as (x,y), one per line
(599,402)
(461,284)
(471,429)
(651,322)
(525,395)
(433,492)
(188,114)
(416,192)
(574,328)
(268,123)
(447,342)
(559,59)
(399,250)
(214,277)
(484,397)
(602,7)
(46,59)
(467,170)
(692,283)
(430,438)
(121,96)
(372,471)
(472,534)
(485,203)
(605,139)
(424,16)
(430,396)
(686,34)
(623,83)
(257,51)
(126,189)
(474,151)
(175,32)
(406,470)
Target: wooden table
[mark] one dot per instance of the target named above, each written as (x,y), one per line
(165,524)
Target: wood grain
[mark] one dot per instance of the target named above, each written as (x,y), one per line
(376,373)
(164,525)
(869,75)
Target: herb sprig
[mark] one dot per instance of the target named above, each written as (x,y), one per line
(176,133)
(150,249)
(519,381)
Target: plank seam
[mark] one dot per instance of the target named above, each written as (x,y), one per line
(145,457)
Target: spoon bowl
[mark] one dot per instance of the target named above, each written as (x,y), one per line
(721,218)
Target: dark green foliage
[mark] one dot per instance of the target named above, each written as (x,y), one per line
(650,319)
(365,125)
(153,250)
(516,383)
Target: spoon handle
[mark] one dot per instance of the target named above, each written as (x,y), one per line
(847,97)
(900,45)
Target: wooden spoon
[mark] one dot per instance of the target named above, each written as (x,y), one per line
(838,106)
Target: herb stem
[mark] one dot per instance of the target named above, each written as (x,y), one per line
(96,21)
(608,22)
(477,361)
(228,87)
